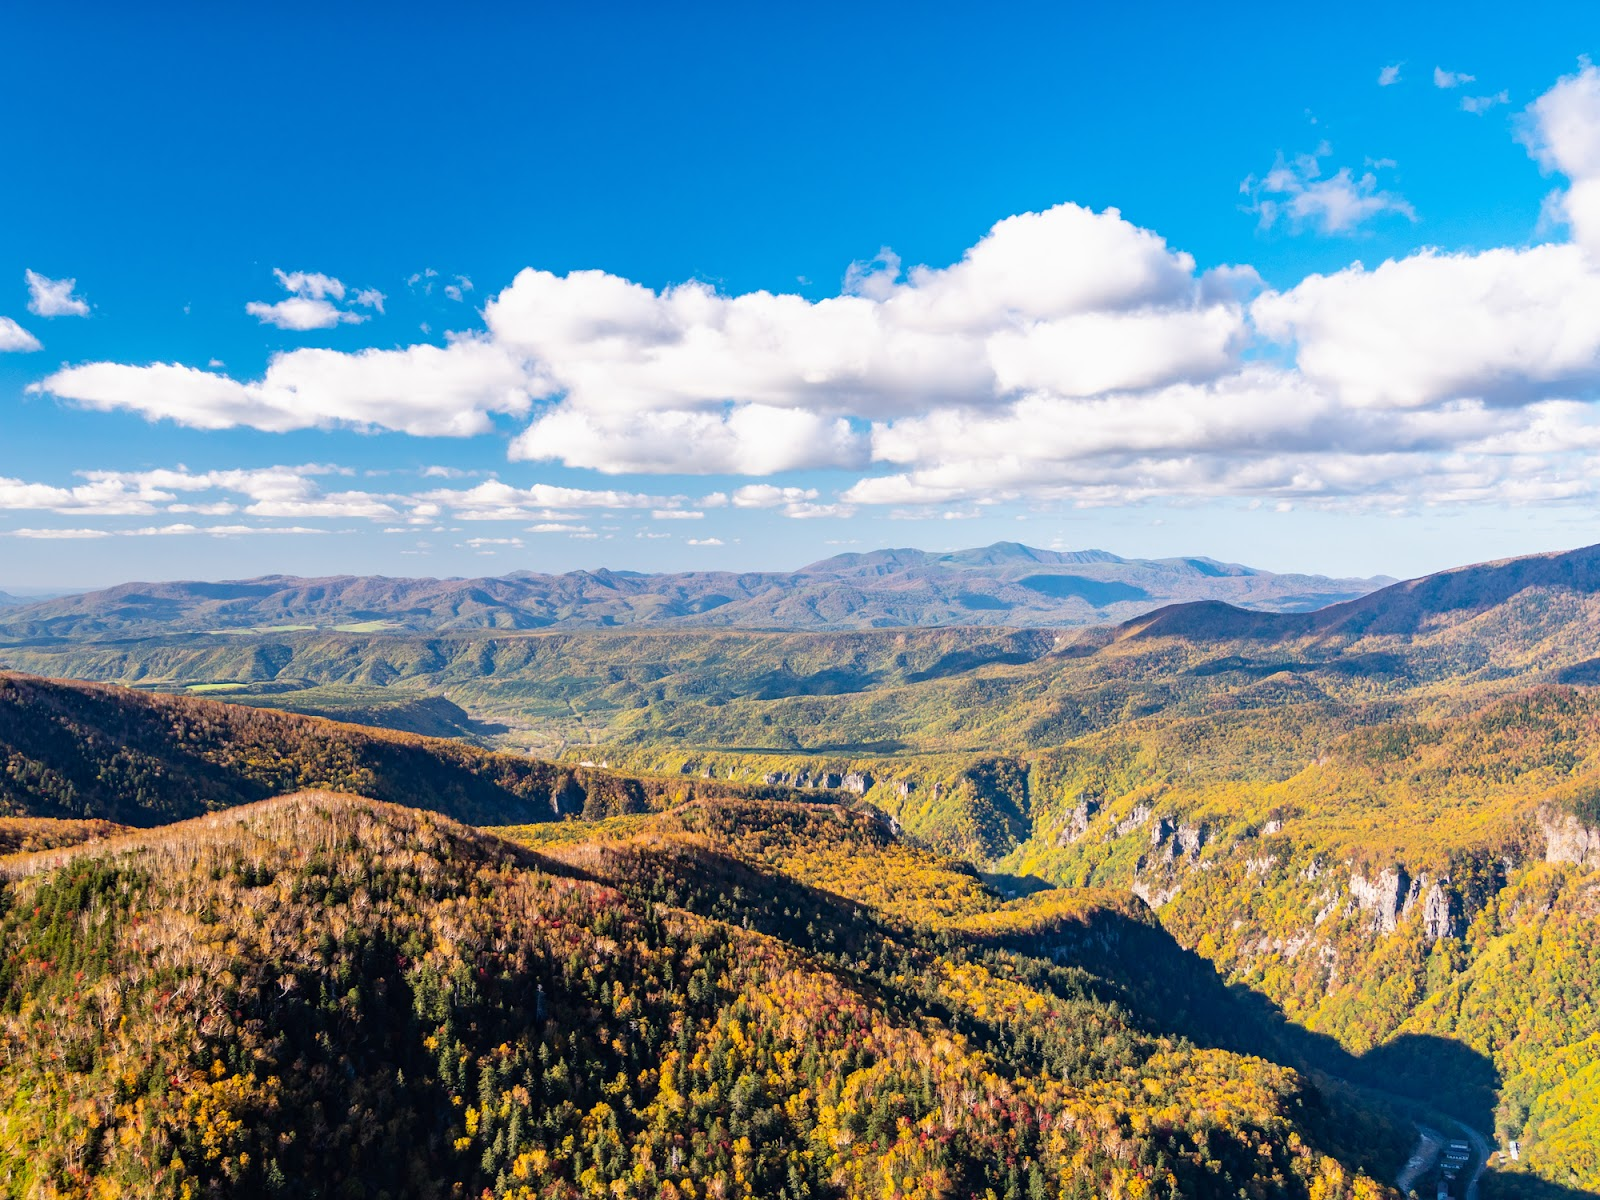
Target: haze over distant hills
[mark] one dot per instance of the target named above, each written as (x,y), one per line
(1004,584)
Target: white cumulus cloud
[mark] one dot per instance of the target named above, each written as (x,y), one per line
(766,495)
(1562,132)
(606,345)
(54,297)
(748,439)
(430,391)
(14,337)
(1504,325)
(1067,356)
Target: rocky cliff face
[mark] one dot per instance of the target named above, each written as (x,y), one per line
(1386,899)
(1569,840)
(1078,820)
(1389,900)
(1441,917)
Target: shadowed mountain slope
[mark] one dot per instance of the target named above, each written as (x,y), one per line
(93,751)
(1416,606)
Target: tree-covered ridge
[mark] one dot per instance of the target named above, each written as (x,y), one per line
(325,996)
(846,851)
(946,722)
(96,752)
(24,835)
(1461,634)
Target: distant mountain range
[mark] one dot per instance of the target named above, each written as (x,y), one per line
(1004,584)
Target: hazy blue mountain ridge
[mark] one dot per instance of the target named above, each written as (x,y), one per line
(1005,584)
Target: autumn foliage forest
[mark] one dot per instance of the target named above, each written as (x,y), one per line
(1213,903)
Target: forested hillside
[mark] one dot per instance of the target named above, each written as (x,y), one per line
(322,996)
(1451,639)
(1419,880)
(82,750)
(1369,835)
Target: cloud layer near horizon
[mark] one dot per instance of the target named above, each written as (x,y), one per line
(1069,355)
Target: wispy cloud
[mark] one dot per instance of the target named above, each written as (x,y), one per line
(1451,79)
(1389,76)
(315,301)
(478,543)
(178,530)
(57,534)
(1482,104)
(1296,191)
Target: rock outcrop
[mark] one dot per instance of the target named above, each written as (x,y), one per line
(1386,899)
(1191,839)
(1161,831)
(1389,899)
(1440,918)
(1078,821)
(1186,840)
(1139,815)
(1569,840)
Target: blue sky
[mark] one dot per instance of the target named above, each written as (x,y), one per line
(1173,380)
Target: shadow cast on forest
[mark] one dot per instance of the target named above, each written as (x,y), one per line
(1133,963)
(1164,981)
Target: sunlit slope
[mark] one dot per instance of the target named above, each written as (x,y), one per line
(325,996)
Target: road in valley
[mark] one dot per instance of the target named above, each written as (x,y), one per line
(1430,1144)
(1480,1146)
